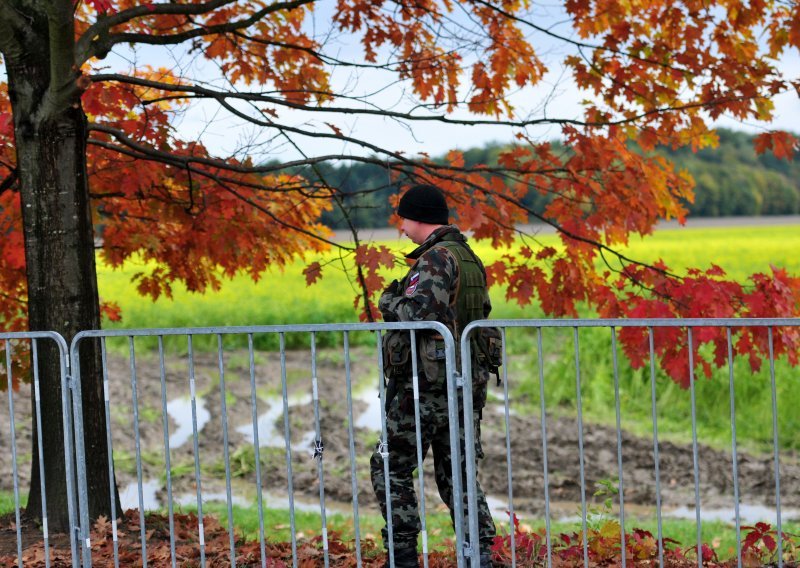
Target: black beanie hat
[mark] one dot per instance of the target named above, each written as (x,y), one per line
(424,203)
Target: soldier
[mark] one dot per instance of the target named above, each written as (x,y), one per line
(447,283)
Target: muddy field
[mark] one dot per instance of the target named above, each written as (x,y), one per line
(756,473)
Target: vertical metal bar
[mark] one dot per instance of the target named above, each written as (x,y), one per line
(10,389)
(74,464)
(168,466)
(733,449)
(110,447)
(319,448)
(621,481)
(135,401)
(695,456)
(384,451)
(472,551)
(192,391)
(225,449)
(351,441)
(580,446)
(775,447)
(256,449)
(420,456)
(546,481)
(510,478)
(456,470)
(288,439)
(655,446)
(38,411)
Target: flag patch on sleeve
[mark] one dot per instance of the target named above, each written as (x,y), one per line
(412,284)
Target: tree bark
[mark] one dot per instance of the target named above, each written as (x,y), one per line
(50,130)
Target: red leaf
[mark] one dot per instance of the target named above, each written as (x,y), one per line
(312,272)
(335,128)
(111,310)
(782,144)
(101,5)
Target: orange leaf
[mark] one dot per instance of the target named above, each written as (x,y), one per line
(312,272)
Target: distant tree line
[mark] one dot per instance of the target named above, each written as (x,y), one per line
(731,180)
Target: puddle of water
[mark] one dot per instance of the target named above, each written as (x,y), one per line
(498,508)
(370,419)
(271,436)
(190,499)
(129,497)
(270,500)
(306,443)
(748,514)
(180,410)
(276,501)
(501,410)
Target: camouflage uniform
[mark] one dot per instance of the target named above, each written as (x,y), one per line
(427,293)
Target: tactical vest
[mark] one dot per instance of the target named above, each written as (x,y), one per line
(486,344)
(468,305)
(471,293)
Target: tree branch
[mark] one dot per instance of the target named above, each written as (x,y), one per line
(263,98)
(388,66)
(164,156)
(96,34)
(14,26)
(61,41)
(436,171)
(569,234)
(105,42)
(362,282)
(9,181)
(182,163)
(510,16)
(221,96)
(11,298)
(558,227)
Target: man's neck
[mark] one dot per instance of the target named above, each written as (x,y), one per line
(433,229)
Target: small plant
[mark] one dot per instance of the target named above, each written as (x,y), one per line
(598,516)
(760,545)
(528,546)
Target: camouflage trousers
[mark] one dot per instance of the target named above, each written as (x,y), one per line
(402,449)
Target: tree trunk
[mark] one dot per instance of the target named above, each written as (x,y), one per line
(61,274)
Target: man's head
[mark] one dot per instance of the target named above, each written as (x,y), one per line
(423,209)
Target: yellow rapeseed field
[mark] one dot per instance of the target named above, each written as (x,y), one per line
(283,297)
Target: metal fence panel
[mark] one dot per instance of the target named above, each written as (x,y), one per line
(688,327)
(19,353)
(148,428)
(130,416)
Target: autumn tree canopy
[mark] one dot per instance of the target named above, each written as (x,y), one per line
(91,149)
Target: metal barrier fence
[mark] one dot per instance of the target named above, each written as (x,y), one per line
(690,327)
(198,368)
(185,429)
(20,357)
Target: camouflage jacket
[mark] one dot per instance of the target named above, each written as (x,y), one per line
(428,291)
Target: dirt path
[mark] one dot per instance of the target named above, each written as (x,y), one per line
(756,474)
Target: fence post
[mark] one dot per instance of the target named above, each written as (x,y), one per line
(471,549)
